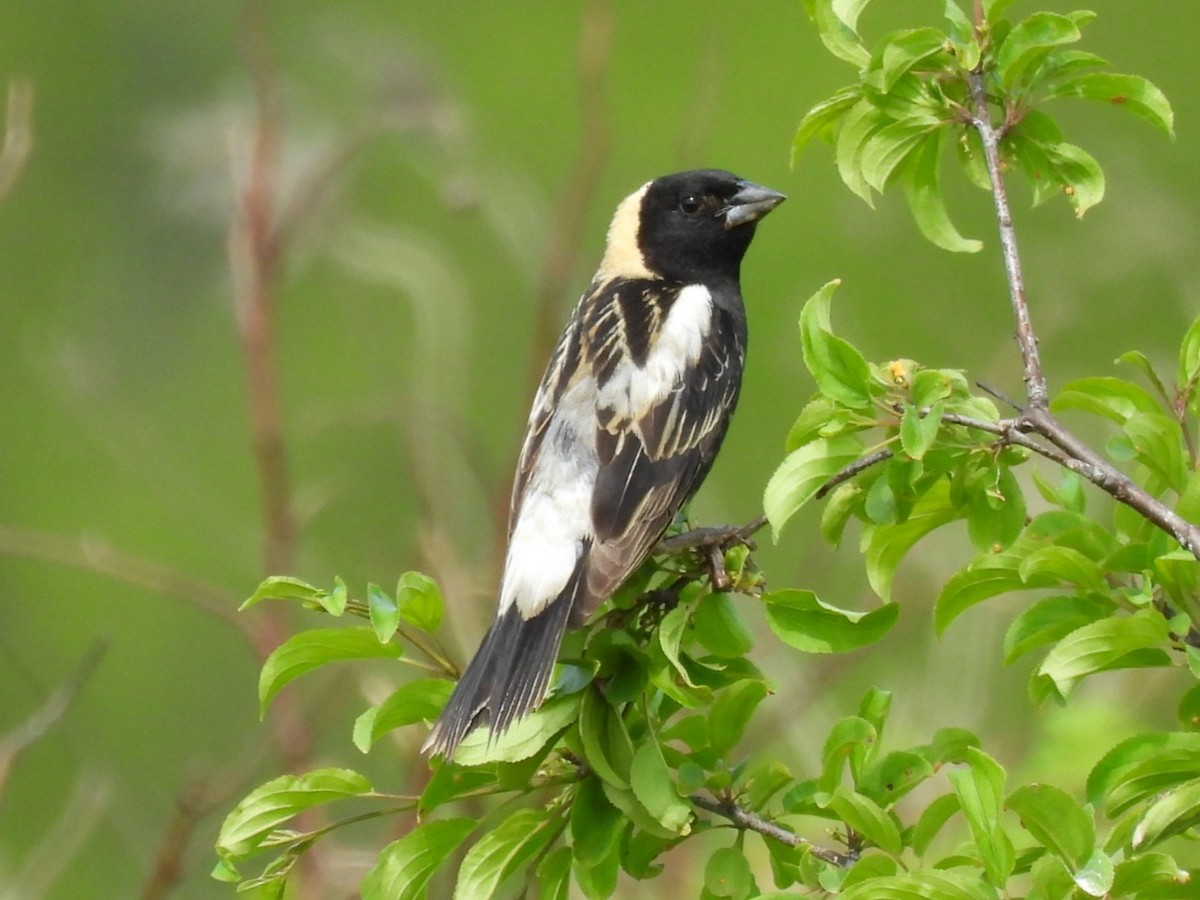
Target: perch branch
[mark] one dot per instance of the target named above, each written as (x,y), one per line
(743,818)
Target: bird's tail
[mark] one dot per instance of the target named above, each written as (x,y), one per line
(508,676)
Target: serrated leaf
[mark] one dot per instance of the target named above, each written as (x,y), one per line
(1056,821)
(1030,41)
(267,807)
(922,187)
(1147,753)
(404,867)
(802,473)
(867,818)
(1173,813)
(1139,95)
(802,620)
(505,851)
(650,781)
(524,738)
(308,650)
(419,601)
(416,701)
(1051,619)
(980,792)
(1101,646)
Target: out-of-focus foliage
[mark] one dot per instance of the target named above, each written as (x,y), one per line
(128,497)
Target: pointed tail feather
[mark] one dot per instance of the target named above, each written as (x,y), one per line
(509,674)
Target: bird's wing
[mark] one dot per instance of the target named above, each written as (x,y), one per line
(668,365)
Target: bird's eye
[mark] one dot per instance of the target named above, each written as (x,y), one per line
(690,205)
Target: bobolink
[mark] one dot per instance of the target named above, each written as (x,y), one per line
(625,425)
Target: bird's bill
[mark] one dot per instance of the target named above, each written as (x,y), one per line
(751,203)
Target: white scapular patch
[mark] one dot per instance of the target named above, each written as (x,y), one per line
(633,390)
(622,256)
(556,511)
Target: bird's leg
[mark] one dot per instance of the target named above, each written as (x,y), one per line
(712,542)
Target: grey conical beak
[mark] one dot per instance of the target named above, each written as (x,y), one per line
(751,203)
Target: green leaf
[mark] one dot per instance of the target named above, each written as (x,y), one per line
(335,601)
(839,369)
(1096,875)
(717,626)
(918,431)
(1131,92)
(804,621)
(1145,872)
(851,741)
(836,34)
(450,781)
(650,780)
(885,150)
(1061,565)
(384,614)
(925,884)
(980,792)
(1051,619)
(554,875)
(893,776)
(1172,814)
(902,51)
(670,634)
(731,712)
(823,119)
(1131,761)
(1157,443)
(1030,42)
(267,807)
(1080,175)
(1113,398)
(727,874)
(987,576)
(405,866)
(802,473)
(867,818)
(596,825)
(524,738)
(922,187)
(308,650)
(860,122)
(886,545)
(504,852)
(1101,646)
(417,701)
(1189,354)
(1056,821)
(419,600)
(606,744)
(283,587)
(933,818)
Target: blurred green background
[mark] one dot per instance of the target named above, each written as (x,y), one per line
(430,148)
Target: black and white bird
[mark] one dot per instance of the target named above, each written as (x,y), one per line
(625,425)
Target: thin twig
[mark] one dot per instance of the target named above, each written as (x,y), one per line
(749,821)
(847,472)
(1035,380)
(711,536)
(46,716)
(96,555)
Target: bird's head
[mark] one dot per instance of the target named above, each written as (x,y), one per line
(686,227)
